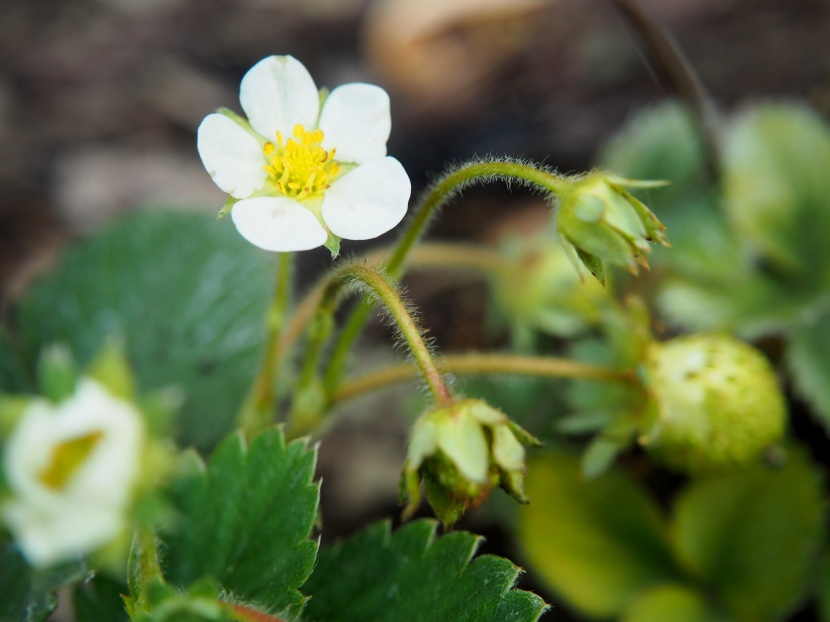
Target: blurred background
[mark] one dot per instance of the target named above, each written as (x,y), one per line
(100,101)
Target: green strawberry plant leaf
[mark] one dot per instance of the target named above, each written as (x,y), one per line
(187,294)
(28,594)
(13,378)
(413,575)
(100,600)
(245,520)
(596,543)
(808,357)
(775,181)
(670,602)
(752,536)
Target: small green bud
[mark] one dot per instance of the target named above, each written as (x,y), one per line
(601,221)
(537,289)
(716,403)
(461,452)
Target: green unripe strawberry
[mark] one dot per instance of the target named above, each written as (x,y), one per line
(716,403)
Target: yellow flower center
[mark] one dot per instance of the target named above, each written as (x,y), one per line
(299,167)
(67,457)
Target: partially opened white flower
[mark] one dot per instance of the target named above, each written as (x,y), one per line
(305,174)
(72,470)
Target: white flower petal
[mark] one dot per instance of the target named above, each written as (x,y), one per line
(276,94)
(278,224)
(231,155)
(356,120)
(367,201)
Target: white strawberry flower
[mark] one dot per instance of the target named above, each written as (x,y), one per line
(305,174)
(72,470)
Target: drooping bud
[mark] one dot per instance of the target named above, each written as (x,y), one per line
(716,403)
(602,222)
(461,452)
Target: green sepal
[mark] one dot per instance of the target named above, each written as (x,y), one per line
(57,373)
(593,263)
(333,244)
(226,208)
(448,509)
(111,369)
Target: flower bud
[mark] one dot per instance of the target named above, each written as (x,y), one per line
(537,289)
(602,221)
(461,452)
(716,403)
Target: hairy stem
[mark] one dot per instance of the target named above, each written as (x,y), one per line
(472,364)
(309,411)
(436,197)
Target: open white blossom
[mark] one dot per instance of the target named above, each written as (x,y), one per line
(301,171)
(72,469)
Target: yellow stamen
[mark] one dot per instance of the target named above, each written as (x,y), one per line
(299,167)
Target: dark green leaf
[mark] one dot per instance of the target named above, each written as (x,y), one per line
(751,536)
(596,543)
(187,294)
(28,595)
(13,378)
(100,600)
(808,357)
(412,575)
(245,520)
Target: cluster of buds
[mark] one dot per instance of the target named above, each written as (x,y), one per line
(461,452)
(599,220)
(715,405)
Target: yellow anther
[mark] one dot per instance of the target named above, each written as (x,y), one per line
(66,458)
(300,167)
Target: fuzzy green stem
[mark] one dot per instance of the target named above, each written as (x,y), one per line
(145,569)
(473,364)
(311,400)
(445,189)
(258,410)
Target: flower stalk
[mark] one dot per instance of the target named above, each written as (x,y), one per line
(258,410)
(474,364)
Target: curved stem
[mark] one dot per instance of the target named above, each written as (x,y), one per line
(444,255)
(471,364)
(436,197)
(306,416)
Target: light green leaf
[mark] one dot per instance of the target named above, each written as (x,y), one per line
(28,595)
(413,575)
(750,536)
(596,543)
(669,603)
(245,519)
(660,143)
(776,159)
(187,294)
(808,357)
